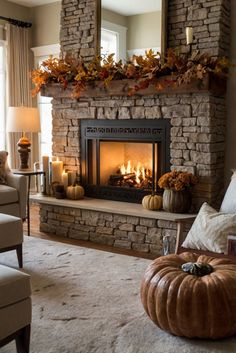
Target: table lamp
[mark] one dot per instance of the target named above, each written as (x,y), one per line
(23,119)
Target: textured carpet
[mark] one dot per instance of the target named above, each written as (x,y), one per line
(87,301)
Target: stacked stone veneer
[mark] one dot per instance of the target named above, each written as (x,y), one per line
(122,231)
(78,32)
(197,134)
(210,20)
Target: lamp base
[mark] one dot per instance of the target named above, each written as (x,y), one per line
(24,150)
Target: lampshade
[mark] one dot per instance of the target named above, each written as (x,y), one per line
(23,119)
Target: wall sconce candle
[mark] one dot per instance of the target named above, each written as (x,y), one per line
(189,35)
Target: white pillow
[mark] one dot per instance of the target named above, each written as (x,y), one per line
(229,202)
(210,230)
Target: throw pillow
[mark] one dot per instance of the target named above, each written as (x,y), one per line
(4,169)
(210,230)
(229,202)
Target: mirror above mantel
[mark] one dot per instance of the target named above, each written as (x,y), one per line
(126,28)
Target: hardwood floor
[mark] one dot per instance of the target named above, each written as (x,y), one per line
(35,232)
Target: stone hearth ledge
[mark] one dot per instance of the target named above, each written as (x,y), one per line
(133,226)
(117,207)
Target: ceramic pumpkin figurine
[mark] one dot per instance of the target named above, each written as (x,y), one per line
(75,192)
(191,295)
(152,202)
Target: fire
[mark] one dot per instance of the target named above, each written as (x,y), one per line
(139,171)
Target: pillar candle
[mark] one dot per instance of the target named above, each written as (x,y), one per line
(65,179)
(46,174)
(71,178)
(189,35)
(57,169)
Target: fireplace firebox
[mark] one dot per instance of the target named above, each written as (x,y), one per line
(123,159)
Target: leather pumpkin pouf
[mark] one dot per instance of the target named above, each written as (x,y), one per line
(191,295)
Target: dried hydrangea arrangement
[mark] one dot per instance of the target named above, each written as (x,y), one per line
(177,180)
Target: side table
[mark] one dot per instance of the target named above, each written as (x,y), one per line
(28,173)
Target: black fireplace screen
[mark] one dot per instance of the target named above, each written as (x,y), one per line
(123,159)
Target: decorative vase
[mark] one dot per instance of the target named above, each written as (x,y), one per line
(176,201)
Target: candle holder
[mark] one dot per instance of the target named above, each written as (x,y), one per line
(60,192)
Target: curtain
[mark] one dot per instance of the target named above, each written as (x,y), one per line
(19,86)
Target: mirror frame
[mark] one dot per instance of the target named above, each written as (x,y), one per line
(98,20)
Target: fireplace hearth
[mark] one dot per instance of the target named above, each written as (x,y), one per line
(122,160)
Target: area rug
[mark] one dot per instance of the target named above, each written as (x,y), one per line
(87,301)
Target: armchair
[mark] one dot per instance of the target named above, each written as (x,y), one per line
(15,308)
(13,196)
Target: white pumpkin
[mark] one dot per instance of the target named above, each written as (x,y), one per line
(152,202)
(75,192)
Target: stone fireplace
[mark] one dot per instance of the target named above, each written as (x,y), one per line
(192,123)
(197,130)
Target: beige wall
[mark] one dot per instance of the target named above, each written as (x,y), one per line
(9,9)
(230,162)
(45,19)
(114,17)
(46,24)
(144,30)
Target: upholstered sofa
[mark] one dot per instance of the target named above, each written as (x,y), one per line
(13,196)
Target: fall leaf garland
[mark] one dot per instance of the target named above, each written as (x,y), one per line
(144,70)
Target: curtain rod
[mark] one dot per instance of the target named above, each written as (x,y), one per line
(17,23)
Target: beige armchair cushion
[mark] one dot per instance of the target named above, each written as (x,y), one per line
(15,317)
(14,286)
(19,183)
(15,301)
(7,194)
(210,230)
(11,231)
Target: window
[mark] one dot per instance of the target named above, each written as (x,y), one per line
(2,95)
(113,40)
(109,43)
(44,103)
(45,111)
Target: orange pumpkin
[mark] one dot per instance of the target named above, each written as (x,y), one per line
(191,295)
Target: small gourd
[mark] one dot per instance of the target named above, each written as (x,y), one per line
(152,202)
(75,192)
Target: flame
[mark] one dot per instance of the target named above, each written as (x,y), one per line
(138,170)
